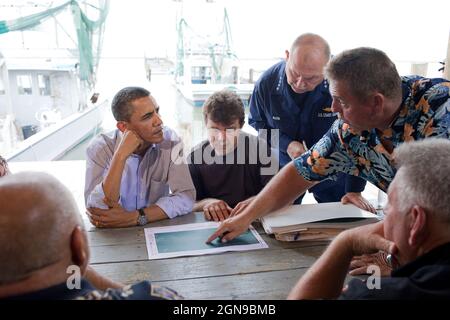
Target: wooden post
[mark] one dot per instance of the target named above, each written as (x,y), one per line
(447,61)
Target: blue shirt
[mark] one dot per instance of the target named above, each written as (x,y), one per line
(424,112)
(161,176)
(299,117)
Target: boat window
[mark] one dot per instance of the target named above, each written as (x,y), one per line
(24,84)
(201,75)
(44,84)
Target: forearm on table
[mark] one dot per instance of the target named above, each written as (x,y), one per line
(325,278)
(199,205)
(155,213)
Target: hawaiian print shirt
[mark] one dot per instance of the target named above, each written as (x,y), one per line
(425,112)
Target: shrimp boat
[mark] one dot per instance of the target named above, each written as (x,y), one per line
(205,61)
(48,102)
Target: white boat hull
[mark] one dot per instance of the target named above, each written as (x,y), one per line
(53,142)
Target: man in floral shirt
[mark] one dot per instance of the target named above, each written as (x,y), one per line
(378,111)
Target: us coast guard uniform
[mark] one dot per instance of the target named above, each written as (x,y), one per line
(299,117)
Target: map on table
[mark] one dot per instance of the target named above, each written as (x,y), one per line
(190,240)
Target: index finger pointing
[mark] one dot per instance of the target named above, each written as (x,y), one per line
(219,233)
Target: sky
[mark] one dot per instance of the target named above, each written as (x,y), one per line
(405,30)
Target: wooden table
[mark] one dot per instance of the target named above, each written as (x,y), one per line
(121,254)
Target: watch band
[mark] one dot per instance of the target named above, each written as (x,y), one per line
(142,218)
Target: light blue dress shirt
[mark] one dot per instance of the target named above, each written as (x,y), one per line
(160,176)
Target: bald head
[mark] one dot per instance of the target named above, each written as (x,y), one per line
(311,46)
(305,63)
(37,217)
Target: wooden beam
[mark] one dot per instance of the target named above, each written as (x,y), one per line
(447,61)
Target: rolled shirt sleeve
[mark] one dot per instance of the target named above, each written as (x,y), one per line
(182,197)
(98,157)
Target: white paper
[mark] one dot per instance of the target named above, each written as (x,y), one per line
(152,246)
(307,213)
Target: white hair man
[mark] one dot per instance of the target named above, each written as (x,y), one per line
(415,231)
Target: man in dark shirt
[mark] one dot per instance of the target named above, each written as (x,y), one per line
(230,167)
(415,232)
(45,253)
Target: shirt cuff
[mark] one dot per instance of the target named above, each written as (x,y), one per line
(301,168)
(174,206)
(354,184)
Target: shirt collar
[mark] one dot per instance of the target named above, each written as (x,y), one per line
(149,150)
(438,255)
(406,93)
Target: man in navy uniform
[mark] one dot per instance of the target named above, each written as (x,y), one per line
(293,97)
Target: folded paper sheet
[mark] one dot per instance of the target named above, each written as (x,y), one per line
(189,240)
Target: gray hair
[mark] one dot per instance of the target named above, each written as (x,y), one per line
(37,217)
(311,39)
(423,176)
(365,71)
(121,104)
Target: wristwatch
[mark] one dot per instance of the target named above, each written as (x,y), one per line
(142,218)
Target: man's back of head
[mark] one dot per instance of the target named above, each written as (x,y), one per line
(365,71)
(37,218)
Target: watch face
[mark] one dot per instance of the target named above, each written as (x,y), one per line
(142,220)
